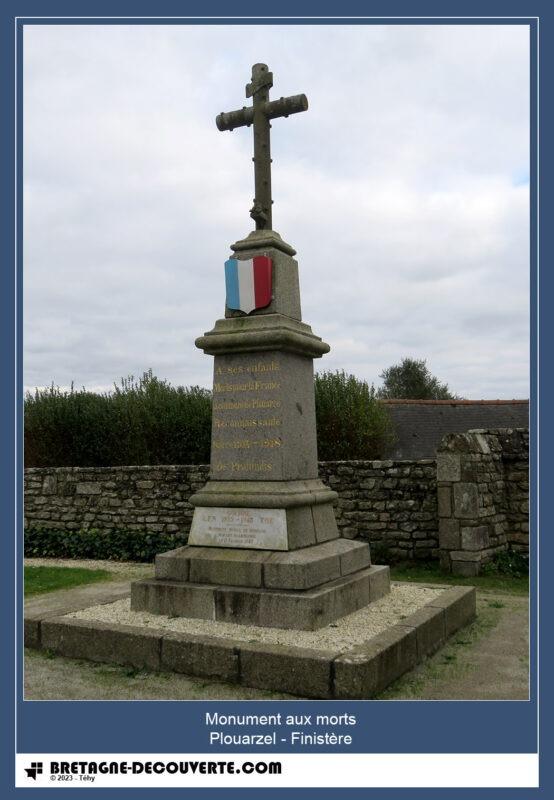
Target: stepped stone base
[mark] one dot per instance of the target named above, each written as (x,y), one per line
(302,589)
(296,569)
(273,608)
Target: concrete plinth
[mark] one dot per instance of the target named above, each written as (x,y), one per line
(302,589)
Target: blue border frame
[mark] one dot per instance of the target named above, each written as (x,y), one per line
(472,726)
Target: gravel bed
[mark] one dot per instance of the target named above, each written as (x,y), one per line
(354,629)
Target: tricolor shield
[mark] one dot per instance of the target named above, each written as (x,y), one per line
(248,283)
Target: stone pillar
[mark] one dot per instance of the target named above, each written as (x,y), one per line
(469,498)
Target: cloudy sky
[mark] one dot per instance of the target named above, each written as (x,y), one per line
(404,189)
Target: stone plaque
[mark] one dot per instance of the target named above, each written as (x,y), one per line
(257,528)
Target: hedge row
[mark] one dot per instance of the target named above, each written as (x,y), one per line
(143,422)
(351,422)
(100,545)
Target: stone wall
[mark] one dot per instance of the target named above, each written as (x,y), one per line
(483,488)
(391,504)
(153,499)
(469,504)
(515,457)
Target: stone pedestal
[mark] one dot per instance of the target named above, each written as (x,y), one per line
(304,589)
(264,547)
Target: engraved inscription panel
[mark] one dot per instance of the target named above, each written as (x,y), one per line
(257,528)
(263,419)
(247,423)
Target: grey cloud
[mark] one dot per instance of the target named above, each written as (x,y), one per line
(397,189)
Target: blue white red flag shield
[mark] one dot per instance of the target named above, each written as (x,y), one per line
(248,283)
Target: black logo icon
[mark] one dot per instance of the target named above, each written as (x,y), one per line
(34,770)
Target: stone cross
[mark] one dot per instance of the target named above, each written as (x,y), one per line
(258,115)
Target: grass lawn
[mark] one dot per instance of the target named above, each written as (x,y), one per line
(48,579)
(475,654)
(431,573)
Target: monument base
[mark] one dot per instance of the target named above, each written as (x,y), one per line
(64,623)
(307,610)
(298,569)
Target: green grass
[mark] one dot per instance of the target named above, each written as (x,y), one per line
(450,663)
(48,579)
(431,573)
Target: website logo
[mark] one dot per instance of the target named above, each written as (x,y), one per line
(34,770)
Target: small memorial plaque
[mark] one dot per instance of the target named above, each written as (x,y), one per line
(256,528)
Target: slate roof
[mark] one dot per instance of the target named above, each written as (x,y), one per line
(420,424)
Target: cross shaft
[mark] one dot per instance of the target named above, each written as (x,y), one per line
(258,115)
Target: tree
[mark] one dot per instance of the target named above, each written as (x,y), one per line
(411,380)
(351,423)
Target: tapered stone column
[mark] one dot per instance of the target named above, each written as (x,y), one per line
(264,447)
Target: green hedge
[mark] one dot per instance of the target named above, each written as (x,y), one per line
(149,422)
(95,544)
(144,422)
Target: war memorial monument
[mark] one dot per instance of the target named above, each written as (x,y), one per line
(264,547)
(266,593)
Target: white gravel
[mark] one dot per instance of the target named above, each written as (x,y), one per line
(404,599)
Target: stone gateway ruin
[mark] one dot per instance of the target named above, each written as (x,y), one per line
(264,547)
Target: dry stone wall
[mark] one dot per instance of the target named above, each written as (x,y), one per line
(469,504)
(153,499)
(390,504)
(515,457)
